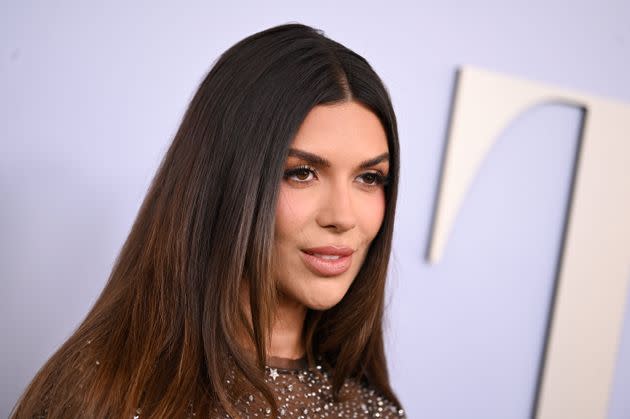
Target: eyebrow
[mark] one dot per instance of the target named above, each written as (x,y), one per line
(316,160)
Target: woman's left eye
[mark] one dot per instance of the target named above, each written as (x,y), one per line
(375,178)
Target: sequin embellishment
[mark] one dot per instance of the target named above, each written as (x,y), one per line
(304,392)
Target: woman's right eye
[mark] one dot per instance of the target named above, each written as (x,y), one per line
(300,174)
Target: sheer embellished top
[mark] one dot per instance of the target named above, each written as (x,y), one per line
(304,392)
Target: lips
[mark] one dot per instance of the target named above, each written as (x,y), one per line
(330,250)
(328,260)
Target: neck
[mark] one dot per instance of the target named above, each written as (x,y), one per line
(286,332)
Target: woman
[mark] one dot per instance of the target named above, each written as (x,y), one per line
(252,281)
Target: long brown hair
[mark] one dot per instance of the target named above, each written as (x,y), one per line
(160,337)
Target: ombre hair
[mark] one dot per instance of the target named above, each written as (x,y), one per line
(160,337)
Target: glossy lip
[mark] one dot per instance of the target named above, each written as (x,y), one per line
(324,267)
(330,250)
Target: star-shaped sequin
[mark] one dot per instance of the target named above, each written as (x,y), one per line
(273,373)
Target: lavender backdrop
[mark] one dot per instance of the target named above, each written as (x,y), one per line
(91,95)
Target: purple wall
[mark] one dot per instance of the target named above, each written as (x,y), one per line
(91,97)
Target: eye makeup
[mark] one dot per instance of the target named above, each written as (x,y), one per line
(374,178)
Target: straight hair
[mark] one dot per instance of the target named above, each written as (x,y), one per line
(159,341)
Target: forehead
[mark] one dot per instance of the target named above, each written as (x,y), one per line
(348,128)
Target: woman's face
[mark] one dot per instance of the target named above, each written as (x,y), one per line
(329,198)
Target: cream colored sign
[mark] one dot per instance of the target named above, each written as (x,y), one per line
(592,283)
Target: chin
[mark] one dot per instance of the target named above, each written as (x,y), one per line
(321,300)
(315,292)
(322,305)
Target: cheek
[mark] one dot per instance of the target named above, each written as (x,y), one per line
(371,213)
(292,213)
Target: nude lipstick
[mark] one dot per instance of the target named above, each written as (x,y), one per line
(328,260)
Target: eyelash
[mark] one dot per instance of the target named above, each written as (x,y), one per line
(379,178)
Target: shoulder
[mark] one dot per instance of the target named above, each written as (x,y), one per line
(368,400)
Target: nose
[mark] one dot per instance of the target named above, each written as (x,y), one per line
(337,210)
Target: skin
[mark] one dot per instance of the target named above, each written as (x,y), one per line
(337,205)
